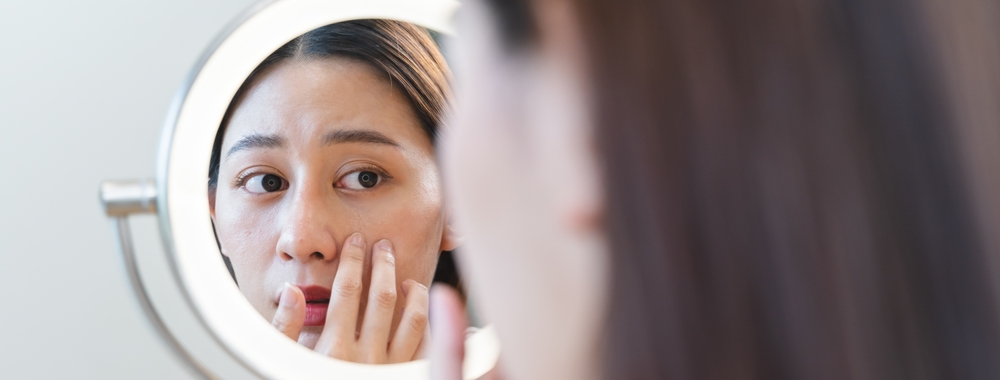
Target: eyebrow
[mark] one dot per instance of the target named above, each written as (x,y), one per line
(257,140)
(358,136)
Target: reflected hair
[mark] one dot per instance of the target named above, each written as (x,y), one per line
(784,193)
(404,52)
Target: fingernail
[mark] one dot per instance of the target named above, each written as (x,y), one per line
(288,298)
(405,287)
(409,284)
(384,245)
(357,240)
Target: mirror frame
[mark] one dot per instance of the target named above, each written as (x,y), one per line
(185,289)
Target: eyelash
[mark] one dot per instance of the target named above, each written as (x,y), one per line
(368,168)
(242,179)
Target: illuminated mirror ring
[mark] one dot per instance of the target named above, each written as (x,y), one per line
(187,292)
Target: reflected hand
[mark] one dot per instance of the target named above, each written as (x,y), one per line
(340,338)
(291,313)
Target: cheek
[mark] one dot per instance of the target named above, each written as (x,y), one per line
(536,279)
(244,230)
(491,199)
(486,183)
(247,236)
(414,225)
(493,206)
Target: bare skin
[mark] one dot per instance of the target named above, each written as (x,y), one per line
(536,251)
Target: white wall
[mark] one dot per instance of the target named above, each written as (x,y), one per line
(84,88)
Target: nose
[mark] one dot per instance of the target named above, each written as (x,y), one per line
(307,232)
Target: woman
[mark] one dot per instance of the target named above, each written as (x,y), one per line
(325,155)
(701,189)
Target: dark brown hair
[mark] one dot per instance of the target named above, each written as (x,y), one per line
(784,195)
(404,52)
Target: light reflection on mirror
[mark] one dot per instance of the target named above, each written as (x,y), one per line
(325,194)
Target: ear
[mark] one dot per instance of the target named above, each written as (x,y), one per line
(451,238)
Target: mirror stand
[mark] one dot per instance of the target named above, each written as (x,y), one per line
(166,309)
(121,199)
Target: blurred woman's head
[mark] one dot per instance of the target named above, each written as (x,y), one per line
(332,134)
(702,189)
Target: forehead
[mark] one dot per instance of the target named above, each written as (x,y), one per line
(302,99)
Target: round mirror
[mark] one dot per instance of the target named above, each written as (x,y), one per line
(308,122)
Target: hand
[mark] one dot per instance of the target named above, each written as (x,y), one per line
(341,338)
(447,348)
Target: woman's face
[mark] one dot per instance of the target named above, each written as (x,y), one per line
(319,149)
(524,186)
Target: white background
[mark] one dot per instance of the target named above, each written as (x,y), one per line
(84,89)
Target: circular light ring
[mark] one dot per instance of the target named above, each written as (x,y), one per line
(182,186)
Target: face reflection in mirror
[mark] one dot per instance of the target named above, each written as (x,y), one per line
(318,147)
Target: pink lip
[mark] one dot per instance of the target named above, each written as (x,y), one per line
(317,302)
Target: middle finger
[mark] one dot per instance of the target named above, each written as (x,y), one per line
(381,303)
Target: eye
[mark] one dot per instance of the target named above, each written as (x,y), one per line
(264,183)
(360,180)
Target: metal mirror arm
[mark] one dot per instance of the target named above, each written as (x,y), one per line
(121,199)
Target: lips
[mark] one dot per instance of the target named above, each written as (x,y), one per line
(317,302)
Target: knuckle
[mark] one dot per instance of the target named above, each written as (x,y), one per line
(354,255)
(385,298)
(418,320)
(347,288)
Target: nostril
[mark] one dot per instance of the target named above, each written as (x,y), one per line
(286,256)
(317,255)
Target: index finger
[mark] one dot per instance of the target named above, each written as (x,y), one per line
(342,314)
